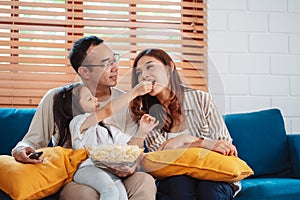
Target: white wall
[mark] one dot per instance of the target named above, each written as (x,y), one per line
(254,51)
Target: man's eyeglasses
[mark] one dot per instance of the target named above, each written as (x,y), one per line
(108,63)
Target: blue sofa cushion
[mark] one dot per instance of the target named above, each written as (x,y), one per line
(14,124)
(261,141)
(269,188)
(294,145)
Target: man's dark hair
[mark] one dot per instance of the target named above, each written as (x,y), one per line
(79,49)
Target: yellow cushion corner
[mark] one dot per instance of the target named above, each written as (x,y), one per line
(35,181)
(196,162)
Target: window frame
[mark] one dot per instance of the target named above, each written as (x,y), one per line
(25,76)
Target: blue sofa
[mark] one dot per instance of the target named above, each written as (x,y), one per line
(260,138)
(274,156)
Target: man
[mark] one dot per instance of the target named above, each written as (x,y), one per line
(96,64)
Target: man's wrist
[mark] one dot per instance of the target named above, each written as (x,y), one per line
(16,149)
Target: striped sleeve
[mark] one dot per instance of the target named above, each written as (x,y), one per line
(216,124)
(207,121)
(154,140)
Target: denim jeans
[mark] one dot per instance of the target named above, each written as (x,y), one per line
(188,188)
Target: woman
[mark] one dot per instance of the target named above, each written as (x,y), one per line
(187,118)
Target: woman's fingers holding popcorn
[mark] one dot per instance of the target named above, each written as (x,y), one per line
(143,87)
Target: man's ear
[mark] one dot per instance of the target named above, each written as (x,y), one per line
(84,72)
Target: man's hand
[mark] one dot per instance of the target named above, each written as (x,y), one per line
(21,154)
(124,171)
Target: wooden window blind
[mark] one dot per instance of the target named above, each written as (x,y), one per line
(36,36)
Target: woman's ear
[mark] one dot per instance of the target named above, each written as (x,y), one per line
(172,66)
(170,71)
(84,72)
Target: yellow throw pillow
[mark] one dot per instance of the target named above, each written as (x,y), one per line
(35,181)
(196,162)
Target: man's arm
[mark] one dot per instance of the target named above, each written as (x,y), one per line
(39,132)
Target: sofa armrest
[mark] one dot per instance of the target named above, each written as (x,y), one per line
(294,147)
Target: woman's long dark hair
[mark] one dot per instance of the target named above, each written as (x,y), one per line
(142,104)
(65,107)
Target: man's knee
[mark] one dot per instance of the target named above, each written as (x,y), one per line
(145,180)
(77,191)
(140,186)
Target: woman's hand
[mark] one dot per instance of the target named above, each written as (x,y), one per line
(181,141)
(220,146)
(21,154)
(124,171)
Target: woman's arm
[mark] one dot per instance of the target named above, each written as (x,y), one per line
(188,141)
(40,130)
(220,146)
(181,141)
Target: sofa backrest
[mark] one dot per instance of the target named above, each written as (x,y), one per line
(260,138)
(261,141)
(14,124)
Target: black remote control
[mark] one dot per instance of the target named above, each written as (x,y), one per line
(36,155)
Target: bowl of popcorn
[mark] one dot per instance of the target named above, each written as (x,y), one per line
(114,155)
